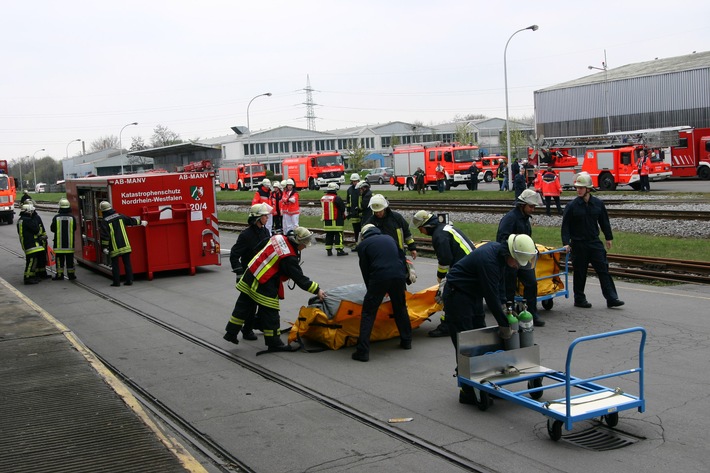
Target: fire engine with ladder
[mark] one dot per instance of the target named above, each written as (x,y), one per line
(612,159)
(454,157)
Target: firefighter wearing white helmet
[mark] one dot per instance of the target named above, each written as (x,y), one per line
(517,222)
(115,243)
(262,285)
(64,226)
(365,212)
(276,196)
(450,245)
(290,207)
(333,217)
(582,219)
(352,205)
(263,196)
(29,232)
(392,223)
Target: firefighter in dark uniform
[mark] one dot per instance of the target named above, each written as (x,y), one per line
(364,203)
(248,244)
(114,240)
(29,233)
(63,226)
(353,205)
(41,272)
(450,245)
(333,217)
(384,271)
(25,197)
(581,221)
(392,223)
(261,286)
(518,221)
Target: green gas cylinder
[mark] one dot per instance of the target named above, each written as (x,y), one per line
(513,342)
(525,321)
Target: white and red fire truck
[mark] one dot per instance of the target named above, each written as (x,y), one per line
(7,194)
(241,177)
(180,208)
(456,159)
(315,170)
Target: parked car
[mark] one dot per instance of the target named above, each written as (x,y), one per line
(380,175)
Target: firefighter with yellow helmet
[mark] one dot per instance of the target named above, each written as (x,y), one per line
(582,219)
(261,287)
(63,226)
(392,223)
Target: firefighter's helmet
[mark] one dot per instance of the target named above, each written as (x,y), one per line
(28,208)
(283,183)
(354,177)
(523,249)
(289,182)
(583,180)
(500,160)
(259,210)
(301,236)
(530,197)
(366,228)
(63,204)
(332,186)
(362,184)
(277,185)
(378,203)
(266,183)
(104,206)
(424,219)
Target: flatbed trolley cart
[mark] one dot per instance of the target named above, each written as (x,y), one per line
(487,370)
(546,300)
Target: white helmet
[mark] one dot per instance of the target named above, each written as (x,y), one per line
(259,210)
(283,183)
(266,182)
(63,203)
(378,203)
(29,208)
(583,180)
(289,182)
(277,185)
(104,206)
(530,197)
(301,236)
(332,186)
(523,249)
(421,218)
(366,228)
(354,176)
(362,184)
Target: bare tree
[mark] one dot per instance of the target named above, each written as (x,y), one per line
(137,144)
(162,136)
(104,142)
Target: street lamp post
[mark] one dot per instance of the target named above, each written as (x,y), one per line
(34,168)
(251,177)
(507,121)
(606,91)
(67,149)
(120,143)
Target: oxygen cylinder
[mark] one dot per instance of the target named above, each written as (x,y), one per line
(525,320)
(513,342)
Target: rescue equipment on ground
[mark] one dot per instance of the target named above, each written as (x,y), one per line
(335,322)
(551,273)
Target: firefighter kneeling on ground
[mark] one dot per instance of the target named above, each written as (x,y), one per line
(261,287)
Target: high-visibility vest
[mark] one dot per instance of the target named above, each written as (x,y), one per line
(330,212)
(266,262)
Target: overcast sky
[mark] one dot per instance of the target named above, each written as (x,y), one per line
(84,69)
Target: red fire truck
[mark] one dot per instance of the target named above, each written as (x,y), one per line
(240,177)
(197,166)
(692,155)
(7,194)
(314,170)
(456,159)
(180,208)
(488,166)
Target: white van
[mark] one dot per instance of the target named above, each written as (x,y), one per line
(41,187)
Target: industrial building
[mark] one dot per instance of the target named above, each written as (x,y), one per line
(652,94)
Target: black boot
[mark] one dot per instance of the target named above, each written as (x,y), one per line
(441,331)
(342,252)
(330,252)
(231,337)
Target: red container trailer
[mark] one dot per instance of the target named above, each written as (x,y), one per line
(180,208)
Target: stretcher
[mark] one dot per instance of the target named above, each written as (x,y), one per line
(486,371)
(552,275)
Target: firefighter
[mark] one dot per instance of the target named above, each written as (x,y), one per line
(581,221)
(450,245)
(502,175)
(63,226)
(276,196)
(290,208)
(644,169)
(440,177)
(41,271)
(25,197)
(333,217)
(364,203)
(392,223)
(419,178)
(384,271)
(114,240)
(29,233)
(261,286)
(551,188)
(517,221)
(263,196)
(353,205)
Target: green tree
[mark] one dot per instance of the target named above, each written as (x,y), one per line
(464,134)
(517,141)
(356,158)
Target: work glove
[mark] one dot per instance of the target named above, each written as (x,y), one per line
(292,199)
(438,297)
(144,223)
(105,251)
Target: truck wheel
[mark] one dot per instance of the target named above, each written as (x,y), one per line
(410,184)
(704,172)
(488,176)
(606,182)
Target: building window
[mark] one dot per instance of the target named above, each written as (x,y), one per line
(386,140)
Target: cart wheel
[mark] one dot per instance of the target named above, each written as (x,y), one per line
(554,428)
(484,401)
(535,383)
(612,419)
(547,304)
